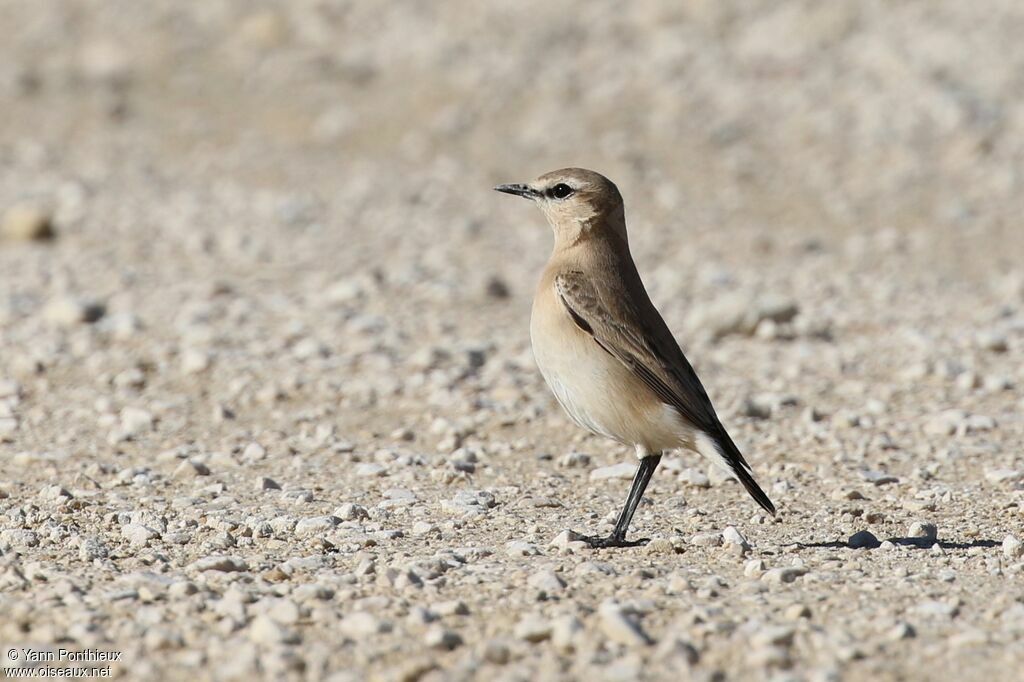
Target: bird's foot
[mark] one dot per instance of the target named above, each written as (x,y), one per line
(611,541)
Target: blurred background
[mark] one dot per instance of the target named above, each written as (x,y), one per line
(323,143)
(370,120)
(259,202)
(263,234)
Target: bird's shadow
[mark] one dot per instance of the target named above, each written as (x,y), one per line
(918,543)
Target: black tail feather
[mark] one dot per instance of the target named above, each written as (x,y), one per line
(754,489)
(740,467)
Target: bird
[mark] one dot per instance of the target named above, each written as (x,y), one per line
(604,350)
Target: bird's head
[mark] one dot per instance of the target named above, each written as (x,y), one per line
(575,201)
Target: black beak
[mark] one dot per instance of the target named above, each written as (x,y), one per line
(519,190)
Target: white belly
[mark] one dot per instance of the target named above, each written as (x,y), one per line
(582,397)
(599,393)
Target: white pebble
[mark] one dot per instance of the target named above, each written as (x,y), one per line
(438,637)
(533,629)
(620,628)
(623,470)
(1013,548)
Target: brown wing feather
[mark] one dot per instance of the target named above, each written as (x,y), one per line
(644,344)
(635,344)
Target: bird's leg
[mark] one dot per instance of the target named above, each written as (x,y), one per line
(636,492)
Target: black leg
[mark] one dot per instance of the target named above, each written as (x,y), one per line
(636,492)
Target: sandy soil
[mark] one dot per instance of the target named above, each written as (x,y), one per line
(267,403)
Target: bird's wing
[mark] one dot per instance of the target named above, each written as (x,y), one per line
(643,343)
(623,333)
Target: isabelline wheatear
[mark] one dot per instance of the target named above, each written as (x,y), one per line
(604,350)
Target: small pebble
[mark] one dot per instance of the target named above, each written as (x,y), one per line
(695,477)
(731,536)
(225,564)
(497,652)
(264,483)
(575,460)
(619,627)
(924,531)
(361,624)
(189,469)
(1013,548)
(547,581)
(624,470)
(797,611)
(532,628)
(863,539)
(902,630)
(567,634)
(1004,475)
(754,568)
(780,576)
(25,222)
(68,311)
(521,548)
(706,539)
(351,512)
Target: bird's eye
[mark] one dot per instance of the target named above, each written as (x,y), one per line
(560,191)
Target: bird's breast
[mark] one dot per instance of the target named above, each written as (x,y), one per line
(596,390)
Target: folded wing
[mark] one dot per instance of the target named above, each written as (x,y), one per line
(641,341)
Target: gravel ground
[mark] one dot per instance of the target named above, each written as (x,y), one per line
(267,403)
